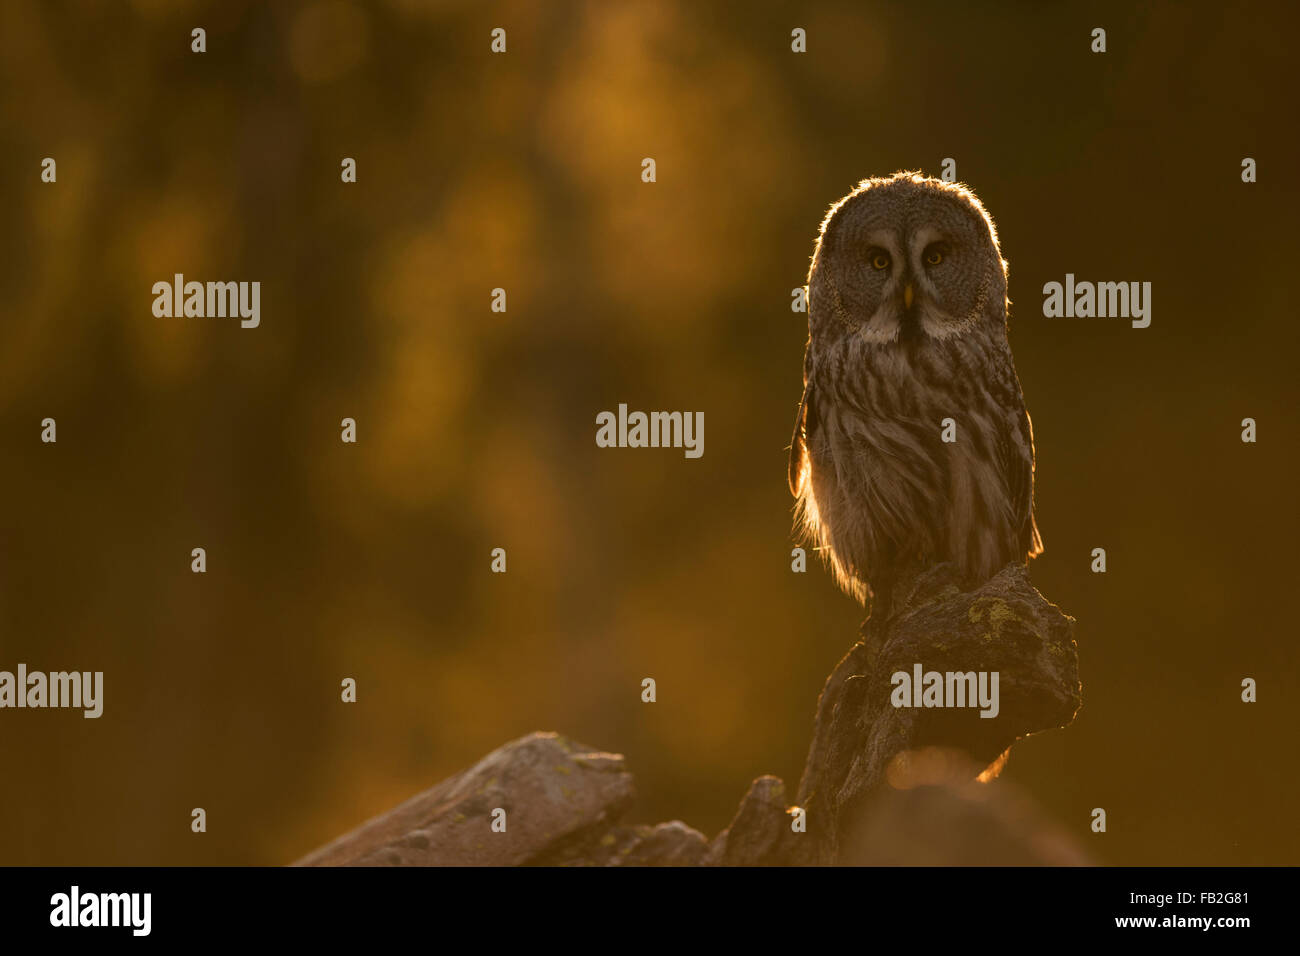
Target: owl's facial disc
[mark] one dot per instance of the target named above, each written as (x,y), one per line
(906,259)
(912,278)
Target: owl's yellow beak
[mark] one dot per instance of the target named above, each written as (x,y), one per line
(908,294)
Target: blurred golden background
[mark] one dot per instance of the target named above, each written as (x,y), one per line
(476,429)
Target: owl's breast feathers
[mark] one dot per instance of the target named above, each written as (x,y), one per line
(878,483)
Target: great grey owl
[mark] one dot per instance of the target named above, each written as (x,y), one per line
(907,327)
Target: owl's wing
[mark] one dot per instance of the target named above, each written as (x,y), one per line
(798,446)
(805,423)
(1019,469)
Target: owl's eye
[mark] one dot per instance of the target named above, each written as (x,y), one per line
(880,260)
(935,254)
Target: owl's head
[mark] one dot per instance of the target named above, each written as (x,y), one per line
(903,257)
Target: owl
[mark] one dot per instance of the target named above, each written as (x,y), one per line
(907,347)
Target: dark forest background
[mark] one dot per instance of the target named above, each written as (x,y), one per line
(476,430)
